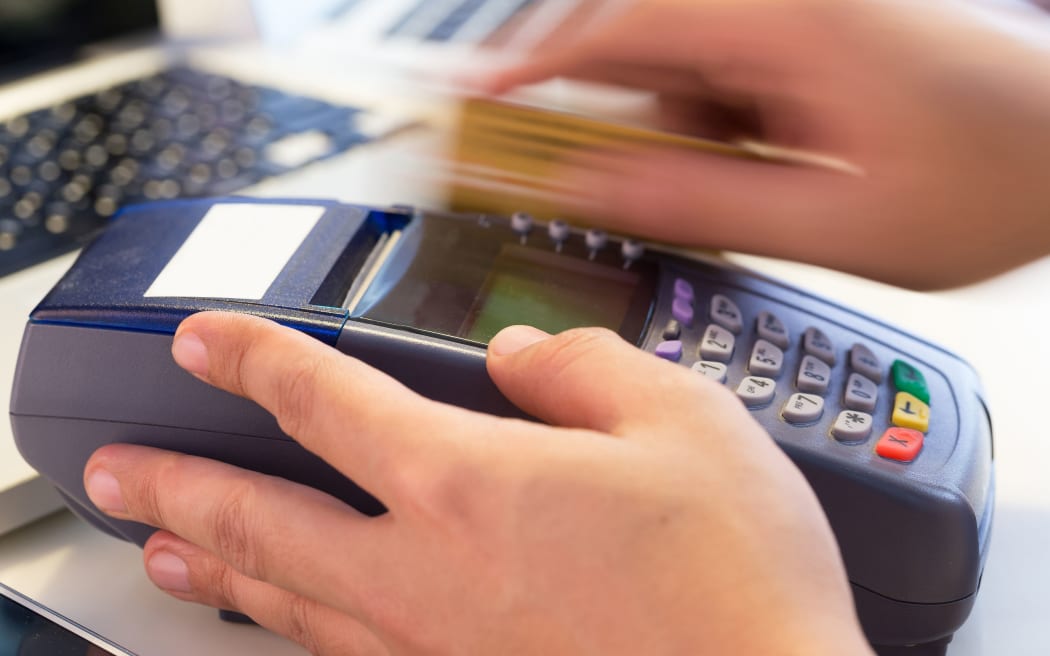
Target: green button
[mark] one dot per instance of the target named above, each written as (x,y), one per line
(907,378)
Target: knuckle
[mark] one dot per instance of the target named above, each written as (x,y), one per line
(232,365)
(145,498)
(568,349)
(711,402)
(224,589)
(677,383)
(147,502)
(697,386)
(299,624)
(233,532)
(296,394)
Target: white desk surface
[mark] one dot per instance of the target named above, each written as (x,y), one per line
(999,326)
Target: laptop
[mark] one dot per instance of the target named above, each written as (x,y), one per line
(427,37)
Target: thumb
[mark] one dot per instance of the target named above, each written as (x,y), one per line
(591,378)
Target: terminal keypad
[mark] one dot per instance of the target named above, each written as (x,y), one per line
(799,377)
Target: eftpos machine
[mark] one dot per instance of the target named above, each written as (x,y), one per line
(890,431)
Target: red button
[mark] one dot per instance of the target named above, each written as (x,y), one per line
(901,444)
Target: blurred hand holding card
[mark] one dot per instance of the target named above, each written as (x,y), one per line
(511,157)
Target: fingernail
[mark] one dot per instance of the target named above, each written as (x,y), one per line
(513,339)
(104,491)
(169,572)
(190,353)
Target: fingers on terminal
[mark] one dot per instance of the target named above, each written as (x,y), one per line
(591,378)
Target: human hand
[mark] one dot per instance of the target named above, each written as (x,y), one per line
(942,105)
(652,515)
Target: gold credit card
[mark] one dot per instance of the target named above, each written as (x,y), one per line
(507,157)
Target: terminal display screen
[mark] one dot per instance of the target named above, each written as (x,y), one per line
(469,281)
(549,292)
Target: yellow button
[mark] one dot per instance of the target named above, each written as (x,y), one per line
(910,412)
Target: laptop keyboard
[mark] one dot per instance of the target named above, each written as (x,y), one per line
(457,20)
(66,169)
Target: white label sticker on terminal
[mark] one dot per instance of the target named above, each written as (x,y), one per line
(236,251)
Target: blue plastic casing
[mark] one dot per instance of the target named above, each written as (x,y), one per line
(106,288)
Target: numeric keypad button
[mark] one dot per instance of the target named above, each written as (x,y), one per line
(683,289)
(714,370)
(766,359)
(682,311)
(725,313)
(907,378)
(670,350)
(865,363)
(814,376)
(852,426)
(860,394)
(673,329)
(756,391)
(900,444)
(772,329)
(803,409)
(817,344)
(910,412)
(717,344)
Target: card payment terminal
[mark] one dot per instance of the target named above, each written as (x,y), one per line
(890,431)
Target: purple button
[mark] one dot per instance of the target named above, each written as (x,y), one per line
(683,290)
(671,350)
(682,310)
